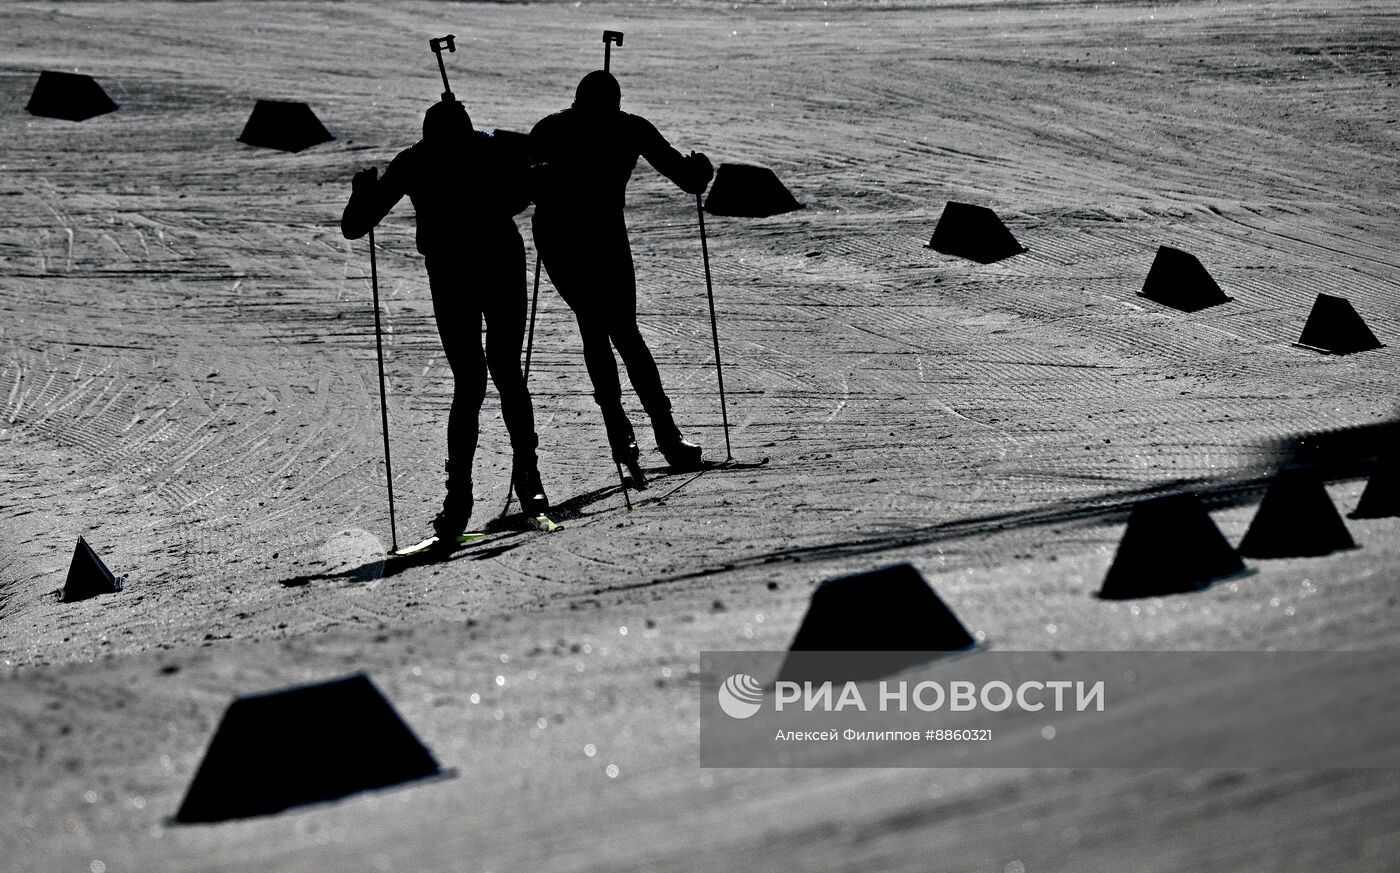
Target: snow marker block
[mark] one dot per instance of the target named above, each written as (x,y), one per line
(1296,518)
(69,96)
(87,576)
(1334,327)
(1381,499)
(308,744)
(973,232)
(1177,279)
(891,613)
(748,191)
(1170,546)
(283,125)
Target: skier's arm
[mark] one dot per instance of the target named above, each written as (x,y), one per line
(691,173)
(371,198)
(516,180)
(542,178)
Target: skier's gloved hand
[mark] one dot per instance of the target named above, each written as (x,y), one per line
(699,171)
(364,180)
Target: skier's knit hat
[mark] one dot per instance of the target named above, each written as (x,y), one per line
(446,118)
(598,92)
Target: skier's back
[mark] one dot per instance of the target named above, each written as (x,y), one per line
(586,155)
(466,190)
(591,156)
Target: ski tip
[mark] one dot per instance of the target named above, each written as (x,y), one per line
(415,549)
(545,524)
(433,543)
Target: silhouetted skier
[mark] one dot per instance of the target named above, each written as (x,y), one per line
(466,190)
(585,155)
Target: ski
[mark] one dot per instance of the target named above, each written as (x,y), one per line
(702,467)
(735,465)
(705,466)
(544,524)
(433,542)
(541,523)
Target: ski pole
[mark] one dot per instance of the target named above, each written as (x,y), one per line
(383,398)
(610,37)
(622,480)
(714,327)
(437,44)
(529,346)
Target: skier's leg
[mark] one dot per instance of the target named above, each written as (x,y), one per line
(459,327)
(641,366)
(607,385)
(504,305)
(582,286)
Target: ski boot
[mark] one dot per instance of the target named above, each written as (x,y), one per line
(526,480)
(630,456)
(456,508)
(452,520)
(624,446)
(681,454)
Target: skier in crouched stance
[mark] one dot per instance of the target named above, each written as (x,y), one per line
(466,190)
(584,157)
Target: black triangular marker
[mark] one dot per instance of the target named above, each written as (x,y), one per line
(890,615)
(1296,519)
(973,232)
(87,575)
(1381,499)
(748,191)
(1177,279)
(283,125)
(1334,327)
(308,744)
(68,96)
(1170,546)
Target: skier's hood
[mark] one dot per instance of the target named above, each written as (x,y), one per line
(598,92)
(446,120)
